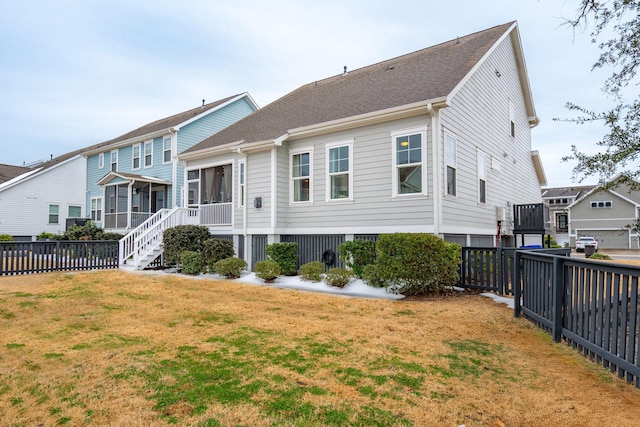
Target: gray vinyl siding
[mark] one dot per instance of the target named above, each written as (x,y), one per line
(479,118)
(619,215)
(373,205)
(259,185)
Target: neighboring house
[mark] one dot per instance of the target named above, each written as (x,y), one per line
(435,141)
(558,199)
(8,172)
(606,215)
(42,198)
(137,174)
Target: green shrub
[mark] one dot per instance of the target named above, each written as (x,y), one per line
(312,271)
(6,238)
(89,231)
(338,277)
(111,236)
(46,236)
(419,263)
(191,262)
(183,238)
(285,254)
(599,255)
(231,268)
(357,254)
(267,270)
(214,250)
(371,277)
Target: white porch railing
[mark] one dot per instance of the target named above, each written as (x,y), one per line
(147,237)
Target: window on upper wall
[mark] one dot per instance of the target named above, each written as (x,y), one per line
(339,165)
(54,214)
(75,212)
(450,147)
(101,161)
(408,161)
(114,160)
(96,209)
(482,177)
(512,118)
(301,176)
(166,150)
(241,185)
(148,154)
(135,156)
(600,205)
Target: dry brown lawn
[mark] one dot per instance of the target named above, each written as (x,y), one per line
(122,349)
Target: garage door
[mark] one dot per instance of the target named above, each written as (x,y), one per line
(608,239)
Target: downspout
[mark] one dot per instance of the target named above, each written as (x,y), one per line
(436,171)
(245,208)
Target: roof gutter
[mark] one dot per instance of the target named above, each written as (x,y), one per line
(129,141)
(211,151)
(374,117)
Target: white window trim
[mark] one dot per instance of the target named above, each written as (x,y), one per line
(101,161)
(51,204)
(394,165)
(512,119)
(327,148)
(454,166)
(594,205)
(482,175)
(114,153)
(144,153)
(133,156)
(291,191)
(164,149)
(242,183)
(91,210)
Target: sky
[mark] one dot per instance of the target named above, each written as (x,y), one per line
(74,73)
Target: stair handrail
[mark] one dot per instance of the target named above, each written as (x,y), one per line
(151,238)
(127,245)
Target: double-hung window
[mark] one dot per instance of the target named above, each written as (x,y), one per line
(241,178)
(75,212)
(148,154)
(193,187)
(339,166)
(409,157)
(114,161)
(135,155)
(96,209)
(451,147)
(54,214)
(166,149)
(301,165)
(482,177)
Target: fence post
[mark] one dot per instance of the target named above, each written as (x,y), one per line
(557,285)
(517,291)
(499,264)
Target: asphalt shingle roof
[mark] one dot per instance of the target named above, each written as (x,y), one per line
(423,75)
(8,172)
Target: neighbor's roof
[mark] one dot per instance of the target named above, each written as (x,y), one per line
(428,74)
(8,172)
(574,191)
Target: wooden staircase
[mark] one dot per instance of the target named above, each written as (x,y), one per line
(143,244)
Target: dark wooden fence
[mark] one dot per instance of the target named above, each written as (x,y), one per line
(41,257)
(491,269)
(592,305)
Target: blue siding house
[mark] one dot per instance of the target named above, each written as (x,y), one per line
(137,174)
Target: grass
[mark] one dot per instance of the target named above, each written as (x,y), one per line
(119,349)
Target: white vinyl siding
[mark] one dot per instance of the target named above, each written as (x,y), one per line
(512,119)
(241,184)
(339,167)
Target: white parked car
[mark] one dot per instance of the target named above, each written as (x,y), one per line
(584,241)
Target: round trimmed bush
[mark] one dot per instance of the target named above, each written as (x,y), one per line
(311,271)
(267,270)
(231,268)
(338,277)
